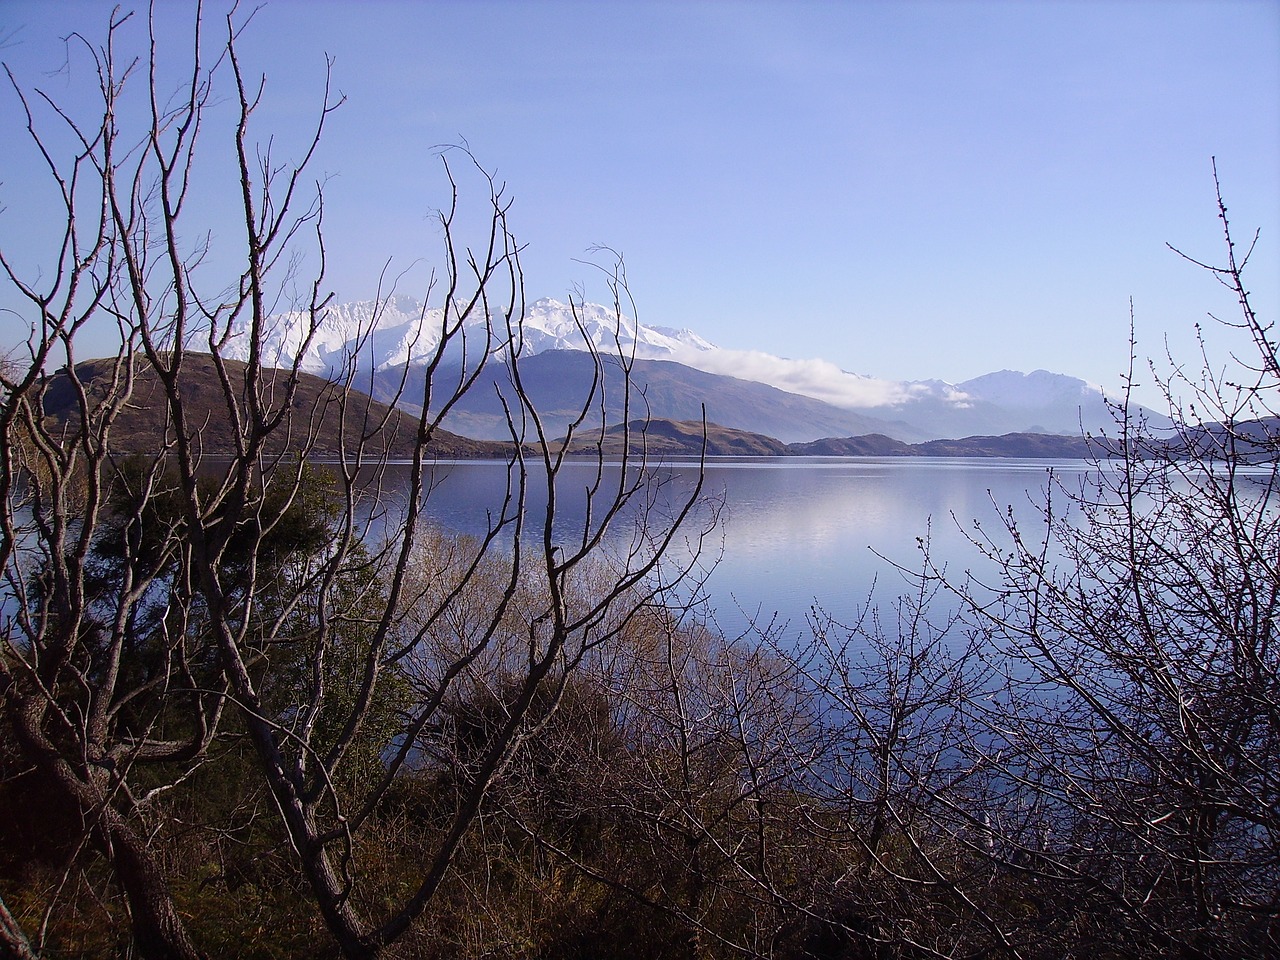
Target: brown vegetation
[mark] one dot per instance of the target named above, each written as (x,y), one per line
(323,415)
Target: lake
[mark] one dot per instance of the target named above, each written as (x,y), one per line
(797,531)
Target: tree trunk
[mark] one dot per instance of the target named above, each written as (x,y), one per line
(13,942)
(159,932)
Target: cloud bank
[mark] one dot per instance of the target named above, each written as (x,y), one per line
(819,379)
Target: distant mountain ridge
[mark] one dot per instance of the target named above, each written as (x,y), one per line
(1254,441)
(668,438)
(677,371)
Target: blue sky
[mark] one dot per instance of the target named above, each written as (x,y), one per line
(909,190)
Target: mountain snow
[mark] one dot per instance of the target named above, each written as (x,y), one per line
(550,325)
(380,334)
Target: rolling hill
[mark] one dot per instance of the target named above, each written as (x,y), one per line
(142,426)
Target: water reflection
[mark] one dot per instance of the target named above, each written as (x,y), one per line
(819,532)
(801,531)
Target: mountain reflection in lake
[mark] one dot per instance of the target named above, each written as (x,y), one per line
(800,531)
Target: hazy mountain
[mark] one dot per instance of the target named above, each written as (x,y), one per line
(1007,402)
(1041,398)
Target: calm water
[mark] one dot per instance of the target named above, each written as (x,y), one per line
(802,531)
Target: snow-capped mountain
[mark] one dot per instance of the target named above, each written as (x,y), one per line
(550,325)
(380,334)
(373,339)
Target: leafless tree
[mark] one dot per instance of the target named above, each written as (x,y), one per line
(155,604)
(683,804)
(1076,752)
(1145,725)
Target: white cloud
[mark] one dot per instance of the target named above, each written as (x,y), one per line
(819,379)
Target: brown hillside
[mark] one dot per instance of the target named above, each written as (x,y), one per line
(322,422)
(682,438)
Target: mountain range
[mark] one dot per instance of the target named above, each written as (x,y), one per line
(676,375)
(329,420)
